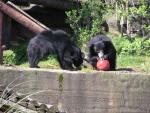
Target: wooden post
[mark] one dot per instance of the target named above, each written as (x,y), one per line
(1,33)
(7,25)
(128,21)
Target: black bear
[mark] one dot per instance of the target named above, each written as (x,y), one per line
(56,42)
(102,43)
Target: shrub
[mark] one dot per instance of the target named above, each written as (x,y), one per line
(9,57)
(134,46)
(16,55)
(86,21)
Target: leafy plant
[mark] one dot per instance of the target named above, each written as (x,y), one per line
(129,11)
(86,20)
(134,46)
(9,57)
(16,55)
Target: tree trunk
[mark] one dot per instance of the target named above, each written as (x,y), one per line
(128,22)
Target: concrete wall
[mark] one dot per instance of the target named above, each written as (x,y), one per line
(80,92)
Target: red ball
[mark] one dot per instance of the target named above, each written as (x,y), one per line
(103,65)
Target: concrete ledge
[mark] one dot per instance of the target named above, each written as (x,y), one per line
(81,92)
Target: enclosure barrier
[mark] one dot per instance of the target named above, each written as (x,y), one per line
(82,92)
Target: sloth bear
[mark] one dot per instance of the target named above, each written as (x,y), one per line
(56,42)
(101,44)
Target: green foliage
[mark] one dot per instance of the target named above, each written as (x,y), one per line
(9,57)
(17,54)
(129,60)
(141,10)
(85,34)
(20,53)
(49,62)
(130,11)
(91,14)
(137,63)
(134,46)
